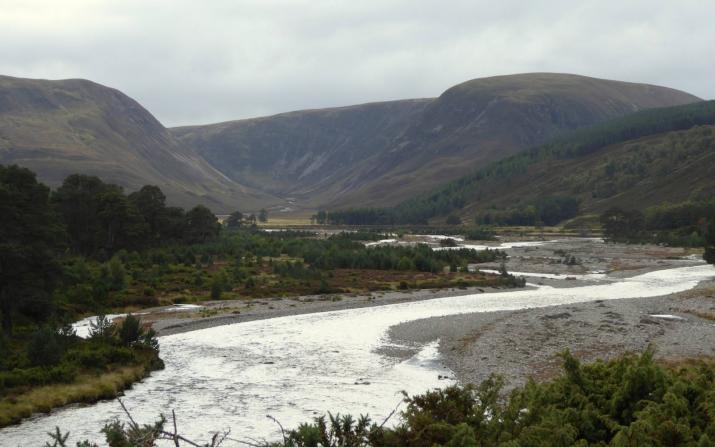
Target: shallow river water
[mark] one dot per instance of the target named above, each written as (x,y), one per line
(296,367)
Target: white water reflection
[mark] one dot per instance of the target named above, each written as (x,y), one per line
(83,327)
(499,246)
(299,366)
(381,242)
(593,276)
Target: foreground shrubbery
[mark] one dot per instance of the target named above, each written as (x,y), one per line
(630,401)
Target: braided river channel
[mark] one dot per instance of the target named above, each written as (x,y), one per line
(297,367)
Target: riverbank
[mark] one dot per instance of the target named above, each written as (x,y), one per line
(526,343)
(592,255)
(87,388)
(218,313)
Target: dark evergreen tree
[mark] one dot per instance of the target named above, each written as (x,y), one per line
(235,220)
(150,202)
(263,216)
(121,225)
(175,224)
(30,239)
(130,331)
(78,203)
(201,225)
(709,255)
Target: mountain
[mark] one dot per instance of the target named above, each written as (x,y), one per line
(57,128)
(634,162)
(370,154)
(307,154)
(383,153)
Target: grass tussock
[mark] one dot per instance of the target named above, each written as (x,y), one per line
(86,388)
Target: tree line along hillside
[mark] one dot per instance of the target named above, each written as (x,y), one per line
(597,167)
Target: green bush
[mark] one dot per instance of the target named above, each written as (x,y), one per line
(630,401)
(481,233)
(99,355)
(37,376)
(45,348)
(4,353)
(709,254)
(323,288)
(117,274)
(217,287)
(130,331)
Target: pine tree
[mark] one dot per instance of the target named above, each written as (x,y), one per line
(709,255)
(30,240)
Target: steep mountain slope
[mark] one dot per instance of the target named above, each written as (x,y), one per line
(380,154)
(637,161)
(305,154)
(57,128)
(487,119)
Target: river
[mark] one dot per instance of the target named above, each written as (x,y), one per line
(300,366)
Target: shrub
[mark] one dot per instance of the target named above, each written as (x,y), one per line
(4,353)
(36,376)
(453,219)
(99,355)
(149,340)
(216,288)
(101,328)
(80,294)
(324,287)
(250,283)
(709,254)
(481,233)
(45,348)
(405,264)
(198,278)
(628,401)
(130,331)
(117,274)
(625,402)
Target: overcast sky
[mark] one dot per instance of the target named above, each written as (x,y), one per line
(192,62)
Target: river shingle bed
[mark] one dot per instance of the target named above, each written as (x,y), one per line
(526,343)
